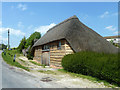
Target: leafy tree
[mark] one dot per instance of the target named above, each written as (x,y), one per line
(22,44)
(2,46)
(30,40)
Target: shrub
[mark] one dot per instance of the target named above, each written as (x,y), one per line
(100,65)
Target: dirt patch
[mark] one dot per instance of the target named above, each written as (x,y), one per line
(47,74)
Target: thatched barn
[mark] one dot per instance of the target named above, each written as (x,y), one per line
(68,37)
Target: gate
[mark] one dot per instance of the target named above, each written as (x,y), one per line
(45,58)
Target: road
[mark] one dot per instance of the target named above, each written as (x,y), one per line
(12,78)
(0,71)
(15,78)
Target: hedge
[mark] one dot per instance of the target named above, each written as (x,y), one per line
(100,65)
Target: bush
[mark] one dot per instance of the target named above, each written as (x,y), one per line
(100,65)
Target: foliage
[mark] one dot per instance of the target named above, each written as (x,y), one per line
(100,65)
(29,54)
(115,44)
(22,44)
(2,46)
(8,58)
(30,40)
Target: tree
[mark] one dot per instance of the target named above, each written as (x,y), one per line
(22,44)
(30,42)
(2,46)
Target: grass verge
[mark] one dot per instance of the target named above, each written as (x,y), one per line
(8,58)
(36,63)
(47,72)
(93,79)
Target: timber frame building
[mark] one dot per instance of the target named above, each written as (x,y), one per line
(68,37)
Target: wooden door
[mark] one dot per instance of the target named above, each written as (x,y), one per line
(45,58)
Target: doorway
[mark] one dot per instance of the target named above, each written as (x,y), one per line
(45,58)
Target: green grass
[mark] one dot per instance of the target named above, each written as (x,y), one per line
(36,63)
(48,72)
(8,58)
(93,79)
(22,60)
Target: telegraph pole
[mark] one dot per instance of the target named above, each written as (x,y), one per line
(8,40)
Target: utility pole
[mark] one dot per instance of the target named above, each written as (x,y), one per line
(8,40)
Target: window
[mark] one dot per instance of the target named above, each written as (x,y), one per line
(44,47)
(59,45)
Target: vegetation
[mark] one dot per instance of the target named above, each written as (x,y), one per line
(22,60)
(93,79)
(100,65)
(2,46)
(47,72)
(115,44)
(36,63)
(8,57)
(30,40)
(28,43)
(22,44)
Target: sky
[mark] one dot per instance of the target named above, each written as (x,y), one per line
(24,18)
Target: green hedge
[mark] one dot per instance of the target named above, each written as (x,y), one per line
(100,65)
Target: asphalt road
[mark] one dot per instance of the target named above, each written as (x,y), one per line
(13,77)
(0,71)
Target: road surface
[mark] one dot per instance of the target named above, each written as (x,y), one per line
(15,78)
(0,71)
(11,78)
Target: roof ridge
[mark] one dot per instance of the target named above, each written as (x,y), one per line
(73,17)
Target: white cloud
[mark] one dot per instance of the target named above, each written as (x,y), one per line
(3,39)
(20,25)
(30,27)
(108,14)
(116,32)
(44,29)
(105,14)
(0,23)
(111,28)
(23,7)
(12,31)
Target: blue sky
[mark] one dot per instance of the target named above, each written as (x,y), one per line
(27,17)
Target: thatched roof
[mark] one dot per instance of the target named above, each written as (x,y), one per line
(79,36)
(109,37)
